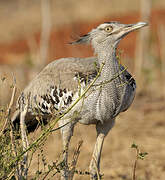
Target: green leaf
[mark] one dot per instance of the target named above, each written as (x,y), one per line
(142,155)
(134,146)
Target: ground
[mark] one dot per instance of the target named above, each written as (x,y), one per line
(143,124)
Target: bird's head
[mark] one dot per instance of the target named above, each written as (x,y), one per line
(108,34)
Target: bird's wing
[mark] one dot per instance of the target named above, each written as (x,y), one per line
(61,73)
(57,81)
(129,90)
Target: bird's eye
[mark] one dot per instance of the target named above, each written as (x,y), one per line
(108,29)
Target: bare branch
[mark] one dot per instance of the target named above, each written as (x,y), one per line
(75,159)
(8,112)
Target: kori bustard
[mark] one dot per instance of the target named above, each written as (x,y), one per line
(62,81)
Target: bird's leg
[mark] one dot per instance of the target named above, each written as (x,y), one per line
(94,164)
(102,131)
(67,132)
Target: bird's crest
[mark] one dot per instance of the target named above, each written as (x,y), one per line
(85,39)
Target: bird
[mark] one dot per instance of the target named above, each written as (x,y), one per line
(61,82)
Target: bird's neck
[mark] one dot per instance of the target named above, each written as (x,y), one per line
(111,64)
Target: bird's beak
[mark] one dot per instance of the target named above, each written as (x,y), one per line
(131,27)
(127,28)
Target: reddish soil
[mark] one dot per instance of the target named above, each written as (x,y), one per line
(14,52)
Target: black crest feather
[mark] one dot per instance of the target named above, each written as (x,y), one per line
(82,39)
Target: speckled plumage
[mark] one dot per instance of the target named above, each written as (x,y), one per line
(61,82)
(51,91)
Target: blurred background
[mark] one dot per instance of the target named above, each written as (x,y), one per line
(34,33)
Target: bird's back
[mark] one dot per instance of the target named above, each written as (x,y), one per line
(54,88)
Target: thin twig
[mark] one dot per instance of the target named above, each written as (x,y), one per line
(139,155)
(8,112)
(135,165)
(75,159)
(4,127)
(8,120)
(108,81)
(59,127)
